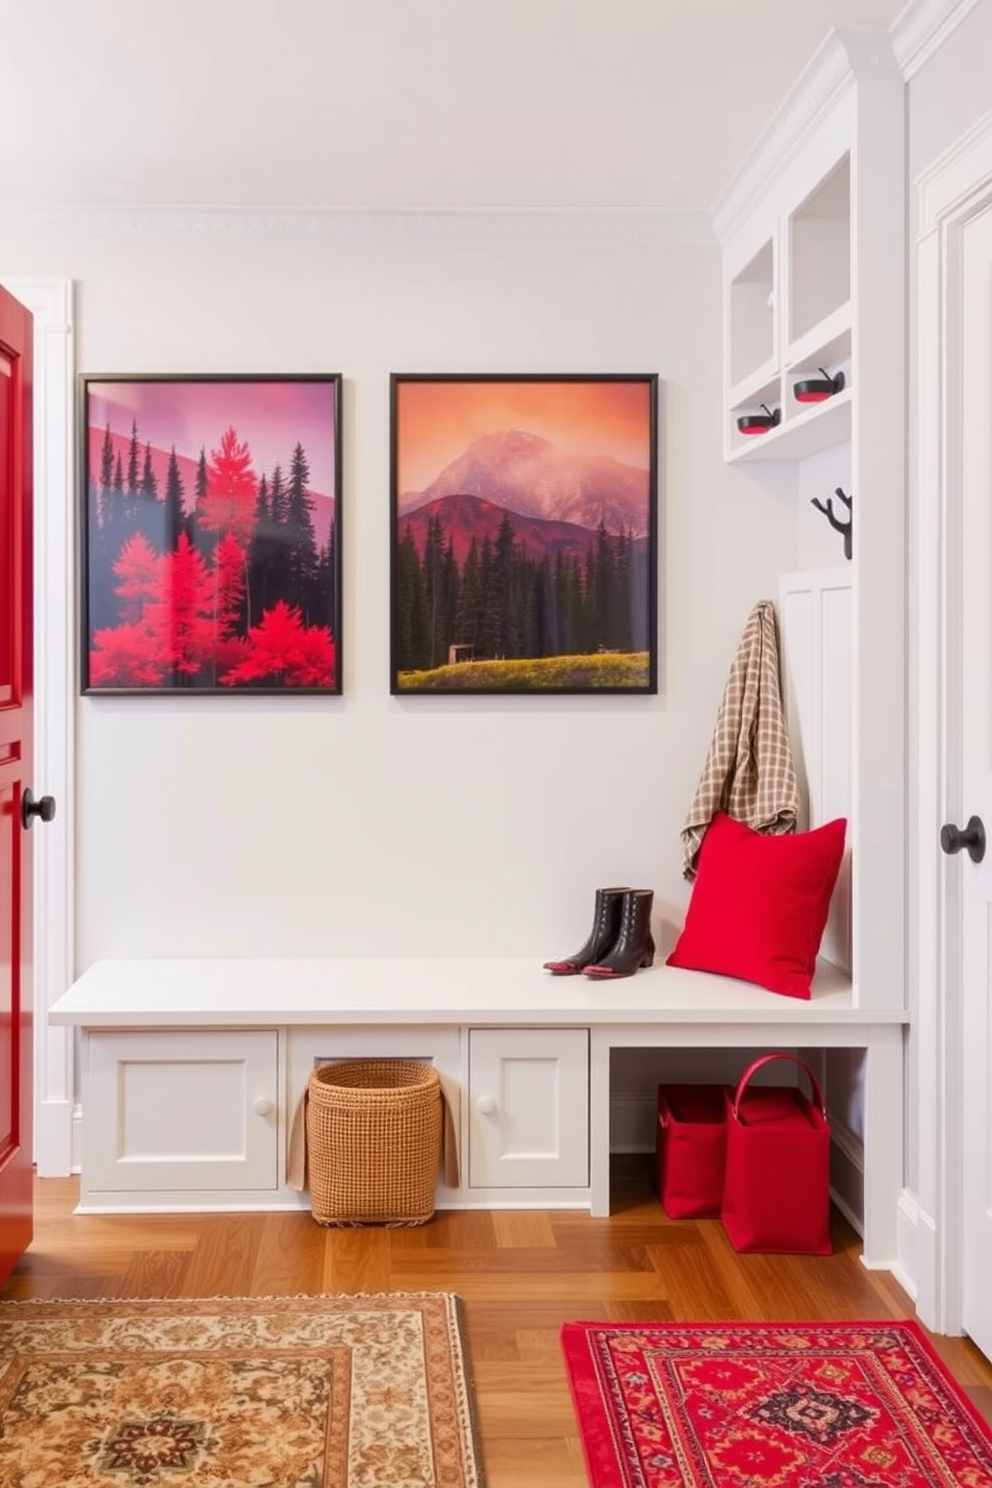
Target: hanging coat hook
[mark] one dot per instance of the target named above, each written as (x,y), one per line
(827,508)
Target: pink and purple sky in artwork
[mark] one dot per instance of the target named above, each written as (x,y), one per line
(271,415)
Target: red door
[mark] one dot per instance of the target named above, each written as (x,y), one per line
(15,760)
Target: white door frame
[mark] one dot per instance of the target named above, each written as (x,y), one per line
(955,189)
(50,302)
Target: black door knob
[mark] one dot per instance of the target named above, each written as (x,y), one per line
(44,808)
(972,837)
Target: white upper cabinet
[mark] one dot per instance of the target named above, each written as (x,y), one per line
(813,235)
(796,226)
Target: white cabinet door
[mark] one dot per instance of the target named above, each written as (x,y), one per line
(528,1120)
(180,1111)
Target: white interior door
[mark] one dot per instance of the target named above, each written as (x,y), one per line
(976,880)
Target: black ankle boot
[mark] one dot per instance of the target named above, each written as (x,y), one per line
(634,946)
(602,936)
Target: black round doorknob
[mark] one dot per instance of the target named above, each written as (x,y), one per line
(43,808)
(971,838)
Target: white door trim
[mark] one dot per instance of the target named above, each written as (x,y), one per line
(50,302)
(951,192)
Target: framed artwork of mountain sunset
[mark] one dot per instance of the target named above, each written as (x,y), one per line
(210,534)
(524,513)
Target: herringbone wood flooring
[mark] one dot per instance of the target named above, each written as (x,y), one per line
(520,1275)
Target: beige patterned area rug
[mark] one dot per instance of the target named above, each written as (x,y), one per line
(271,1392)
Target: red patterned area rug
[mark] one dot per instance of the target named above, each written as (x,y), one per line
(780,1405)
(262,1392)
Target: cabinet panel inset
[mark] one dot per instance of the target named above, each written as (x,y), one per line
(528,1108)
(181,1111)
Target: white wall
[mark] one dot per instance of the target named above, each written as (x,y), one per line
(376,825)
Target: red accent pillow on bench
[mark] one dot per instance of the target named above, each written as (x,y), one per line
(759,904)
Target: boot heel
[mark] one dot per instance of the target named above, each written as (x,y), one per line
(634,946)
(602,937)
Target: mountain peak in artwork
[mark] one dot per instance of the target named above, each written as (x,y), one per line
(536,478)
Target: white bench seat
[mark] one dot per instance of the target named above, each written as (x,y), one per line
(226,1045)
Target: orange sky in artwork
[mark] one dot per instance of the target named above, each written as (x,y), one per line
(437,421)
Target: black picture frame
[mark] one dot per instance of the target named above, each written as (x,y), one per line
(210,533)
(524,521)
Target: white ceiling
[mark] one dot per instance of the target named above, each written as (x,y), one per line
(397,104)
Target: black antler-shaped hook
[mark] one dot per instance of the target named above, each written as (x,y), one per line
(836,523)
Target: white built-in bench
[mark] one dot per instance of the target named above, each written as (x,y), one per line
(191,1070)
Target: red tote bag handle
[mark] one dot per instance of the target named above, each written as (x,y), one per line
(769,1059)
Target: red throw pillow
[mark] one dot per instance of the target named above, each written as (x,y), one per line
(759,904)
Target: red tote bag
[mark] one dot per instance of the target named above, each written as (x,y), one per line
(690,1149)
(776,1191)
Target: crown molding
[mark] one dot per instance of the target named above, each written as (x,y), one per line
(152,220)
(842,59)
(922,29)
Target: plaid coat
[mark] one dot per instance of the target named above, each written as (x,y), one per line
(749,771)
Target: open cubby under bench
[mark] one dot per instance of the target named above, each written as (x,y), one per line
(191,1070)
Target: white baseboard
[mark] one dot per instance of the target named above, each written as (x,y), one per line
(847,1174)
(916,1256)
(55,1138)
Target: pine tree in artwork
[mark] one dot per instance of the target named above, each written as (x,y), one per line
(326,582)
(490,628)
(229,502)
(260,556)
(149,485)
(506,588)
(283,652)
(541,638)
(410,638)
(621,608)
(106,474)
(181,618)
(138,571)
(468,610)
(603,630)
(151,512)
(587,635)
(450,585)
(433,589)
(175,506)
(229,559)
(133,483)
(204,541)
(280,584)
(106,460)
(302,541)
(328,577)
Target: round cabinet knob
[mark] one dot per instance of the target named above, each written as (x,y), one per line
(262,1107)
(485,1105)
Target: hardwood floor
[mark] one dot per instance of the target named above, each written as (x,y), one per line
(520,1276)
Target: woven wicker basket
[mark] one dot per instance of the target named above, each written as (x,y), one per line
(373,1135)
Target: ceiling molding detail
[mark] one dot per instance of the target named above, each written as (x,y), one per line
(843,58)
(923,28)
(278,222)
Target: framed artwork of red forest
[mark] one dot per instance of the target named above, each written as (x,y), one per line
(524,514)
(211,534)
